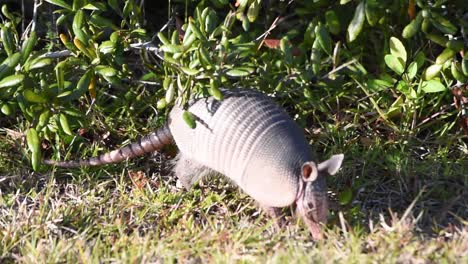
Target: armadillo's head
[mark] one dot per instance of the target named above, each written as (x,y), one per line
(312,202)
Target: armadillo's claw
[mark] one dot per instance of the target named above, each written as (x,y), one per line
(276,215)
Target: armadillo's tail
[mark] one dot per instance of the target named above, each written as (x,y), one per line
(152,142)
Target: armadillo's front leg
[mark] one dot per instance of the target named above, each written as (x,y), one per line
(276,214)
(189,171)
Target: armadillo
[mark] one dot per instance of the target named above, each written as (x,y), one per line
(249,139)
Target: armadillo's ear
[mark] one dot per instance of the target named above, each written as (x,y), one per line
(332,165)
(309,171)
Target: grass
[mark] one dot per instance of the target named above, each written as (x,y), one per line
(404,206)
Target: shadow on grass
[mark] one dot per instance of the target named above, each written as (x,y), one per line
(392,182)
(375,181)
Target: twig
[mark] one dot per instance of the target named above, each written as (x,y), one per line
(339,68)
(37,3)
(376,106)
(23,10)
(273,25)
(433,116)
(149,46)
(266,33)
(343,224)
(57,54)
(32,25)
(413,203)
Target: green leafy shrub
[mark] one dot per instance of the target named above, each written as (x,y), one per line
(386,65)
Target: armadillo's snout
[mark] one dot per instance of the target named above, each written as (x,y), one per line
(313,209)
(317,209)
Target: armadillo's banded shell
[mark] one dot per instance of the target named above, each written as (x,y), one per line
(248,138)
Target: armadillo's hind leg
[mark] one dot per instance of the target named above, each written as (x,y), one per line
(276,214)
(189,171)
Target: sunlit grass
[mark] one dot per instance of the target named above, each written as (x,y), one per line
(113,214)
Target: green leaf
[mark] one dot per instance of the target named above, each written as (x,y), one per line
(443,24)
(128,8)
(357,22)
(32,139)
(84,48)
(43,119)
(420,58)
(211,21)
(332,22)
(238,72)
(404,88)
(11,80)
(161,104)
(9,64)
(96,6)
(245,24)
(6,109)
(102,22)
(445,55)
(62,19)
(345,197)
(78,23)
(6,36)
(39,63)
(163,39)
(189,71)
(254,8)
(214,90)
(28,45)
(33,97)
(324,39)
(107,47)
(285,47)
(204,58)
(7,13)
(315,57)
(464,66)
(432,71)
(412,28)
(189,119)
(36,160)
(64,124)
(457,73)
(34,146)
(171,48)
(433,86)
(439,39)
(412,69)
(60,3)
(455,45)
(395,108)
(106,71)
(373,13)
(81,88)
(394,63)
(114,4)
(398,49)
(170,93)
(77,4)
(378,84)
